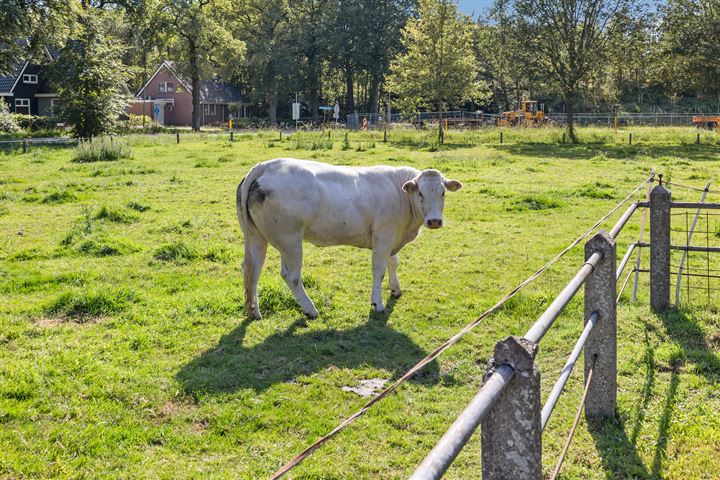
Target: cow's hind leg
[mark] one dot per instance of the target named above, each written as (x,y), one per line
(392,276)
(291,271)
(255,251)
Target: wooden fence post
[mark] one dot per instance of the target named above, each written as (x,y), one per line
(177,137)
(512,429)
(660,198)
(601,346)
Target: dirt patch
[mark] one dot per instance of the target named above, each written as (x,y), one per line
(367,388)
(56,321)
(713,340)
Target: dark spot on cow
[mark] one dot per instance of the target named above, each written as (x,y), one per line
(257,194)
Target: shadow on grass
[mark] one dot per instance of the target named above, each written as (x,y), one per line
(584,151)
(619,453)
(286,355)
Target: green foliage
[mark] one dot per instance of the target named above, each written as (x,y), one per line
(438,67)
(89,76)
(102,149)
(116,215)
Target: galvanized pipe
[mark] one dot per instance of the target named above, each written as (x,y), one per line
(708,206)
(623,220)
(567,370)
(449,446)
(543,324)
(624,261)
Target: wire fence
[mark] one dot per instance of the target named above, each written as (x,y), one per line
(468,119)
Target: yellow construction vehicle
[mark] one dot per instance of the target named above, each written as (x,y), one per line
(529,115)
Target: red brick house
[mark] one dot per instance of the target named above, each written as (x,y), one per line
(166,97)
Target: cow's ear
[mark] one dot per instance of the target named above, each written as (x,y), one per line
(453,185)
(410,186)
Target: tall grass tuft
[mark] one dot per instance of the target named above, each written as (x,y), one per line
(102,149)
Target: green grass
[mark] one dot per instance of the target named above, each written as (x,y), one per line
(124,350)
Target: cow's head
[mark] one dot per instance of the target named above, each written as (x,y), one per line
(427,192)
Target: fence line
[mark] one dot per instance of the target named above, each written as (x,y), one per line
(523,435)
(454,339)
(512,423)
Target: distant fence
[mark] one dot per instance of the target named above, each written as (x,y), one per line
(466,119)
(455,117)
(508,404)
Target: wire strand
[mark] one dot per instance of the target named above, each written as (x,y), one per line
(448,343)
(575,422)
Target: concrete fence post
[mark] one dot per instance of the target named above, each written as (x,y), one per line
(660,198)
(601,346)
(512,431)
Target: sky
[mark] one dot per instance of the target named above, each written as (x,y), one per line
(474,6)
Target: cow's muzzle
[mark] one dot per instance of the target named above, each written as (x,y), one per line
(434,223)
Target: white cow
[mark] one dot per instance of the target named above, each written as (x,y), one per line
(286,201)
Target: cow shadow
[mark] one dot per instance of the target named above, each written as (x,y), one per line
(286,355)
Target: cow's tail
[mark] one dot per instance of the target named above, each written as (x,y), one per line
(241,202)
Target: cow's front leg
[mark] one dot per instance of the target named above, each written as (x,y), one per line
(392,276)
(380,256)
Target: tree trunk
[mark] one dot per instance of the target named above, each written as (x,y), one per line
(570,115)
(195,76)
(375,95)
(349,90)
(441,134)
(271,93)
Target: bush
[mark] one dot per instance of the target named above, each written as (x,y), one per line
(8,123)
(115,215)
(102,149)
(138,121)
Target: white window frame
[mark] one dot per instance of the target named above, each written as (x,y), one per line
(211,112)
(22,103)
(166,87)
(30,78)
(53,103)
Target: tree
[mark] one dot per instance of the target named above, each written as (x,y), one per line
(504,54)
(89,77)
(261,24)
(309,29)
(439,65)
(569,39)
(200,35)
(26,26)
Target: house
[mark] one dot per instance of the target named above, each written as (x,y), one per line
(27,88)
(167,98)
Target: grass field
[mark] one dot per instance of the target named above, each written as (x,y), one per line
(125,353)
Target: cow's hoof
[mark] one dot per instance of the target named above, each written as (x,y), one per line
(379,309)
(312,315)
(255,316)
(396,293)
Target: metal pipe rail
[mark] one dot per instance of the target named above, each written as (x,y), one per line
(450,445)
(693,205)
(546,320)
(686,248)
(624,261)
(623,220)
(567,370)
